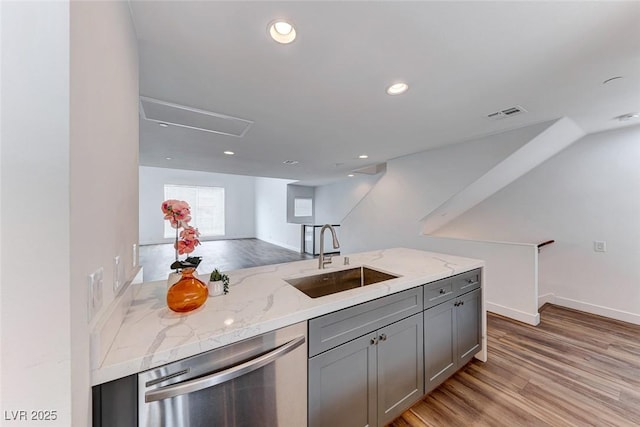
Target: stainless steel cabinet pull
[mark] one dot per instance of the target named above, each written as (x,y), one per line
(461,302)
(223,376)
(456,304)
(383,337)
(470,281)
(374,340)
(442,291)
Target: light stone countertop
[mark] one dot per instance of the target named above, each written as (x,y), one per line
(259,301)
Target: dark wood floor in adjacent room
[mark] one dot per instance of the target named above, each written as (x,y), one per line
(574,369)
(225,255)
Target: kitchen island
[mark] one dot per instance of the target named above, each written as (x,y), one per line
(260,301)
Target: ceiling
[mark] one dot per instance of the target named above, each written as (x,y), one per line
(321,100)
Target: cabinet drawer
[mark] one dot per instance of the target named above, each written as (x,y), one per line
(438,292)
(465,282)
(337,328)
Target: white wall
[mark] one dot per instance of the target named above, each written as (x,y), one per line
(69,169)
(271,214)
(414,185)
(511,273)
(590,191)
(34,232)
(333,202)
(1,244)
(587,192)
(239,201)
(103,168)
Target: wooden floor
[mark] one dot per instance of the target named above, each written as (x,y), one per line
(574,369)
(224,255)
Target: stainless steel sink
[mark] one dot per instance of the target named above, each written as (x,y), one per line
(329,283)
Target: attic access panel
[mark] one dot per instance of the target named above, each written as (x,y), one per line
(192,118)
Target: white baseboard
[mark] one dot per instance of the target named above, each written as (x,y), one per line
(546,298)
(521,316)
(282,245)
(612,313)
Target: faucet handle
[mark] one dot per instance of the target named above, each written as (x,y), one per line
(327,259)
(346,260)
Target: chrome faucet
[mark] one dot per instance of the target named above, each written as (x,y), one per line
(336,245)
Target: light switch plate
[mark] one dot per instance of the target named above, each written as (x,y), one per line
(118,274)
(94,297)
(135,255)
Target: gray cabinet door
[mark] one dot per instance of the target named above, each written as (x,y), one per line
(439,344)
(342,385)
(334,329)
(468,329)
(400,367)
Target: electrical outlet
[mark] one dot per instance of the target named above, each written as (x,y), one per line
(600,246)
(94,299)
(135,255)
(118,274)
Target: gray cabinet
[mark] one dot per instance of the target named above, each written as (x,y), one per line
(468,327)
(452,336)
(342,385)
(400,367)
(439,344)
(366,362)
(368,381)
(333,329)
(370,362)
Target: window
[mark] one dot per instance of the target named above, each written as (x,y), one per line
(207,208)
(302,206)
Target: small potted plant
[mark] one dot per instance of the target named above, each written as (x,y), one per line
(218,283)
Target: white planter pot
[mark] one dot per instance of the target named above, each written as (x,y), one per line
(215,288)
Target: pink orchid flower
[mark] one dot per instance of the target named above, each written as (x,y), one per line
(186,246)
(167,206)
(178,213)
(189,233)
(176,210)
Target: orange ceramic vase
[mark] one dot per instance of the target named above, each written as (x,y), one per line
(187,294)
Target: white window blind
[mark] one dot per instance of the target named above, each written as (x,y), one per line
(207,208)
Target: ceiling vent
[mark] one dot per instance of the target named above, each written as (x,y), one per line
(507,112)
(192,118)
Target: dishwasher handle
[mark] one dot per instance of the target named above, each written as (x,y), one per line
(223,376)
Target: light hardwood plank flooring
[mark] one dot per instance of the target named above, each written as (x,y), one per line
(224,255)
(574,369)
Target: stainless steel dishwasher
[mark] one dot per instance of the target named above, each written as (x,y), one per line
(258,382)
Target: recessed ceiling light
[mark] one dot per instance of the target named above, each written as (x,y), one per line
(282,31)
(229,153)
(350,175)
(397,88)
(290,162)
(163,125)
(628,116)
(363,156)
(168,158)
